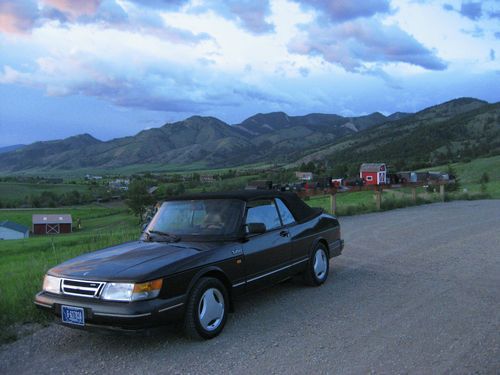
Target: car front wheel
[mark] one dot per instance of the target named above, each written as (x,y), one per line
(207,308)
(317,267)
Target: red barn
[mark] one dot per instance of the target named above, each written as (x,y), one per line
(52,224)
(373,173)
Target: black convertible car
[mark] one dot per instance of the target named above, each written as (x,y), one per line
(193,259)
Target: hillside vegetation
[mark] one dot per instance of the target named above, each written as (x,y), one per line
(460,128)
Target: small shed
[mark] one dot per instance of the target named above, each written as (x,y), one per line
(373,173)
(52,224)
(13,231)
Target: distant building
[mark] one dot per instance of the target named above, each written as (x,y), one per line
(259,185)
(438,176)
(52,224)
(119,184)
(207,179)
(152,190)
(304,176)
(425,177)
(13,231)
(92,177)
(373,173)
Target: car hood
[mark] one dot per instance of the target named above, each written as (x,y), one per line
(131,261)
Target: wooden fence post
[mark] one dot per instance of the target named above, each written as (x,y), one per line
(414,194)
(333,203)
(441,192)
(378,197)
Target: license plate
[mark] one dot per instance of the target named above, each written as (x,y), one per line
(73,315)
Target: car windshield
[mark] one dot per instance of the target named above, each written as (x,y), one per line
(206,217)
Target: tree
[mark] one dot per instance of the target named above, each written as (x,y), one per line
(339,171)
(138,198)
(485,178)
(71,198)
(455,185)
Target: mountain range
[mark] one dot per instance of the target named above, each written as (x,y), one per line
(10,148)
(464,123)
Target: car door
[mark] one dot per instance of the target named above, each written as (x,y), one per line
(299,247)
(267,255)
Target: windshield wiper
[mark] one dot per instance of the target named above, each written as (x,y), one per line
(171,237)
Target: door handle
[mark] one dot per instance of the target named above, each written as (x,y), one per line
(284,233)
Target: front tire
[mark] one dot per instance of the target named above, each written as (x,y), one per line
(206,309)
(318,266)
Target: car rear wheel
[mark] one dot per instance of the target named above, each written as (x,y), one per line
(317,267)
(207,308)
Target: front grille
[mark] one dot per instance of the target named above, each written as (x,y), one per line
(82,288)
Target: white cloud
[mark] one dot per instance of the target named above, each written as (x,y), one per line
(193,57)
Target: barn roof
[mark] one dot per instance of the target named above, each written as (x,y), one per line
(371,167)
(52,219)
(14,226)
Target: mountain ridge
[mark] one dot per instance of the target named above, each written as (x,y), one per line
(263,137)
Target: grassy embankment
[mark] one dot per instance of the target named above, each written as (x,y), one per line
(19,190)
(24,262)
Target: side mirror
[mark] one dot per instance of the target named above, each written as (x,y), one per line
(256,228)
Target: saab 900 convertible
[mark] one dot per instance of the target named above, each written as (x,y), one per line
(193,259)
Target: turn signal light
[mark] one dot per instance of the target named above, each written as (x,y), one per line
(149,286)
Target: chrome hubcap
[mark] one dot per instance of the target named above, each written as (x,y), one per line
(320,264)
(211,309)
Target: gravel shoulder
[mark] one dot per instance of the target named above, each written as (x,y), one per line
(416,291)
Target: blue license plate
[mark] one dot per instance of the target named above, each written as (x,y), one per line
(73,315)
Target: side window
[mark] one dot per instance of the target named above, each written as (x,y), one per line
(263,212)
(286,215)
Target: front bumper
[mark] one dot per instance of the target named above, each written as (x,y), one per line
(128,316)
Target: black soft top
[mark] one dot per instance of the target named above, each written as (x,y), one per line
(300,210)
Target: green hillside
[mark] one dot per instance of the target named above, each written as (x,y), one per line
(431,137)
(470,174)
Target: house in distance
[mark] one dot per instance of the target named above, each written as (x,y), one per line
(304,176)
(373,173)
(13,231)
(52,224)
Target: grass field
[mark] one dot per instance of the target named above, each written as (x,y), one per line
(18,190)
(24,262)
(347,203)
(200,168)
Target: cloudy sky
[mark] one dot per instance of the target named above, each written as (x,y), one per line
(114,67)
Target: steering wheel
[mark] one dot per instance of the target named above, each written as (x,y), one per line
(213,226)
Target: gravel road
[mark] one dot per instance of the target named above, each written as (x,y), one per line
(416,291)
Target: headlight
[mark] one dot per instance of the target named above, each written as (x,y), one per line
(118,292)
(52,284)
(132,292)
